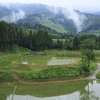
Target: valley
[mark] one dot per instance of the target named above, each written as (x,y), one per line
(48,52)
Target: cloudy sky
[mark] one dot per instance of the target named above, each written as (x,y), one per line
(82,5)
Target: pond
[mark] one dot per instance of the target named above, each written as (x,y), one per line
(77,90)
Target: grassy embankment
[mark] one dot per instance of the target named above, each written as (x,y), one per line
(16,67)
(98,61)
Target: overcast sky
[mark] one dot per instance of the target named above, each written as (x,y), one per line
(82,5)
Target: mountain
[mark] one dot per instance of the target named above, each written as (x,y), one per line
(54,19)
(92,25)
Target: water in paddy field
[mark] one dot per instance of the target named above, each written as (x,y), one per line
(56,61)
(79,90)
(46,60)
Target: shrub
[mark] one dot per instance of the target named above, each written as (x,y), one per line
(6,76)
(53,72)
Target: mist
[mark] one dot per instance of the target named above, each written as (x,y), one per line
(14,15)
(70,13)
(17,16)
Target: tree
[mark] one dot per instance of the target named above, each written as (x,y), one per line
(42,40)
(75,43)
(31,40)
(7,36)
(59,44)
(87,47)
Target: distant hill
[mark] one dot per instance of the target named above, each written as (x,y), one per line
(92,25)
(55,20)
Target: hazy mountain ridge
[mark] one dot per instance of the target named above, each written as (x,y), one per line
(60,20)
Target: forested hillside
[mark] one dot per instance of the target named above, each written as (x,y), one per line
(39,40)
(10,36)
(54,20)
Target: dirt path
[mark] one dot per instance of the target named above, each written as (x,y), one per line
(93,76)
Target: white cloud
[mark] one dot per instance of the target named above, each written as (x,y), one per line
(15,16)
(69,13)
(85,5)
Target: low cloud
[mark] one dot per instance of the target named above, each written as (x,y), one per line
(69,13)
(14,17)
(17,16)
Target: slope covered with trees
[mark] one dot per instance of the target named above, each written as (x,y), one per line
(39,40)
(52,21)
(10,36)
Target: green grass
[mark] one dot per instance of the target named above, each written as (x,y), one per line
(66,53)
(98,75)
(93,67)
(98,59)
(12,65)
(61,53)
(15,62)
(97,53)
(17,49)
(6,76)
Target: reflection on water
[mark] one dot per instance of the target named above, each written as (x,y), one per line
(56,61)
(80,90)
(91,91)
(48,60)
(73,96)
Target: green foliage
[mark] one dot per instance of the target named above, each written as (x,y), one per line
(58,44)
(53,72)
(98,59)
(42,40)
(7,36)
(10,36)
(17,49)
(98,75)
(6,76)
(92,25)
(51,20)
(93,67)
(87,46)
(64,53)
(39,40)
(83,67)
(12,63)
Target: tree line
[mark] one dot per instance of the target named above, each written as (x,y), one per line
(39,40)
(10,36)
(72,42)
